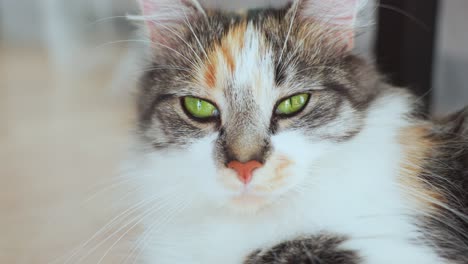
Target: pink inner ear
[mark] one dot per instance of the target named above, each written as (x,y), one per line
(337,15)
(160,15)
(166,9)
(335,12)
(156,7)
(148,7)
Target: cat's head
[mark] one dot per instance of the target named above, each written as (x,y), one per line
(235,108)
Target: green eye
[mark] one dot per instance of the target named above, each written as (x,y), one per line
(199,108)
(292,104)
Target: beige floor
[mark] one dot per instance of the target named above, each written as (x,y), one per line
(60,142)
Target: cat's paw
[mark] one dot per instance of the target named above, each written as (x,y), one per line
(320,249)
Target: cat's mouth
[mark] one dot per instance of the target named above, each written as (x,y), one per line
(249,201)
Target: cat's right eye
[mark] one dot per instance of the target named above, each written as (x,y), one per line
(292,105)
(199,108)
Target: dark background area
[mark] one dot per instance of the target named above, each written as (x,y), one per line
(405,45)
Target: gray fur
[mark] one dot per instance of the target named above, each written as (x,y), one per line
(319,249)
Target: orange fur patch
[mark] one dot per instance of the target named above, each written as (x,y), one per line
(210,73)
(417,148)
(279,174)
(228,58)
(223,55)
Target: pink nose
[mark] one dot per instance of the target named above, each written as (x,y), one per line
(244,170)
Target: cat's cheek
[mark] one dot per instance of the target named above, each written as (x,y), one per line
(301,150)
(190,170)
(303,153)
(277,176)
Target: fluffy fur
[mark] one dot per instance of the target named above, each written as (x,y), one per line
(355,162)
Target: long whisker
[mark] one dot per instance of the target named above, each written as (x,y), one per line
(296,7)
(183,40)
(106,227)
(104,19)
(148,42)
(406,14)
(110,187)
(414,192)
(141,218)
(138,73)
(151,229)
(93,249)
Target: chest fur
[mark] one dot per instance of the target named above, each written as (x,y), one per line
(377,222)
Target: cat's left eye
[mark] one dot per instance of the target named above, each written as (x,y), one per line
(199,108)
(293,104)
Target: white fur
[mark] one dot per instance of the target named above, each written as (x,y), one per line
(347,188)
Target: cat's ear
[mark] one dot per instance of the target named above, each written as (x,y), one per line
(338,17)
(163,17)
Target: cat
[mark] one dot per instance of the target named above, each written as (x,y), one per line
(262,138)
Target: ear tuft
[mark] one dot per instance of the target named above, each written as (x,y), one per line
(163,16)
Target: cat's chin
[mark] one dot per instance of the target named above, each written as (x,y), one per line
(248,203)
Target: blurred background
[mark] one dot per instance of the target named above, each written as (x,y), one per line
(67,71)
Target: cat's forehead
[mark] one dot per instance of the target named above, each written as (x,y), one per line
(243,60)
(254,53)
(263,54)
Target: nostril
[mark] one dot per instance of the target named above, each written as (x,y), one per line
(244,170)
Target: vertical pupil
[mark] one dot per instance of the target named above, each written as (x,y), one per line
(199,104)
(298,101)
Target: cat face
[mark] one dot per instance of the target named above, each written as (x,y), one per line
(238,109)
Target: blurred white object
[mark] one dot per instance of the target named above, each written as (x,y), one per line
(72,32)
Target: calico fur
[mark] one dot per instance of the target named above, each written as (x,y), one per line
(354,177)
(446,174)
